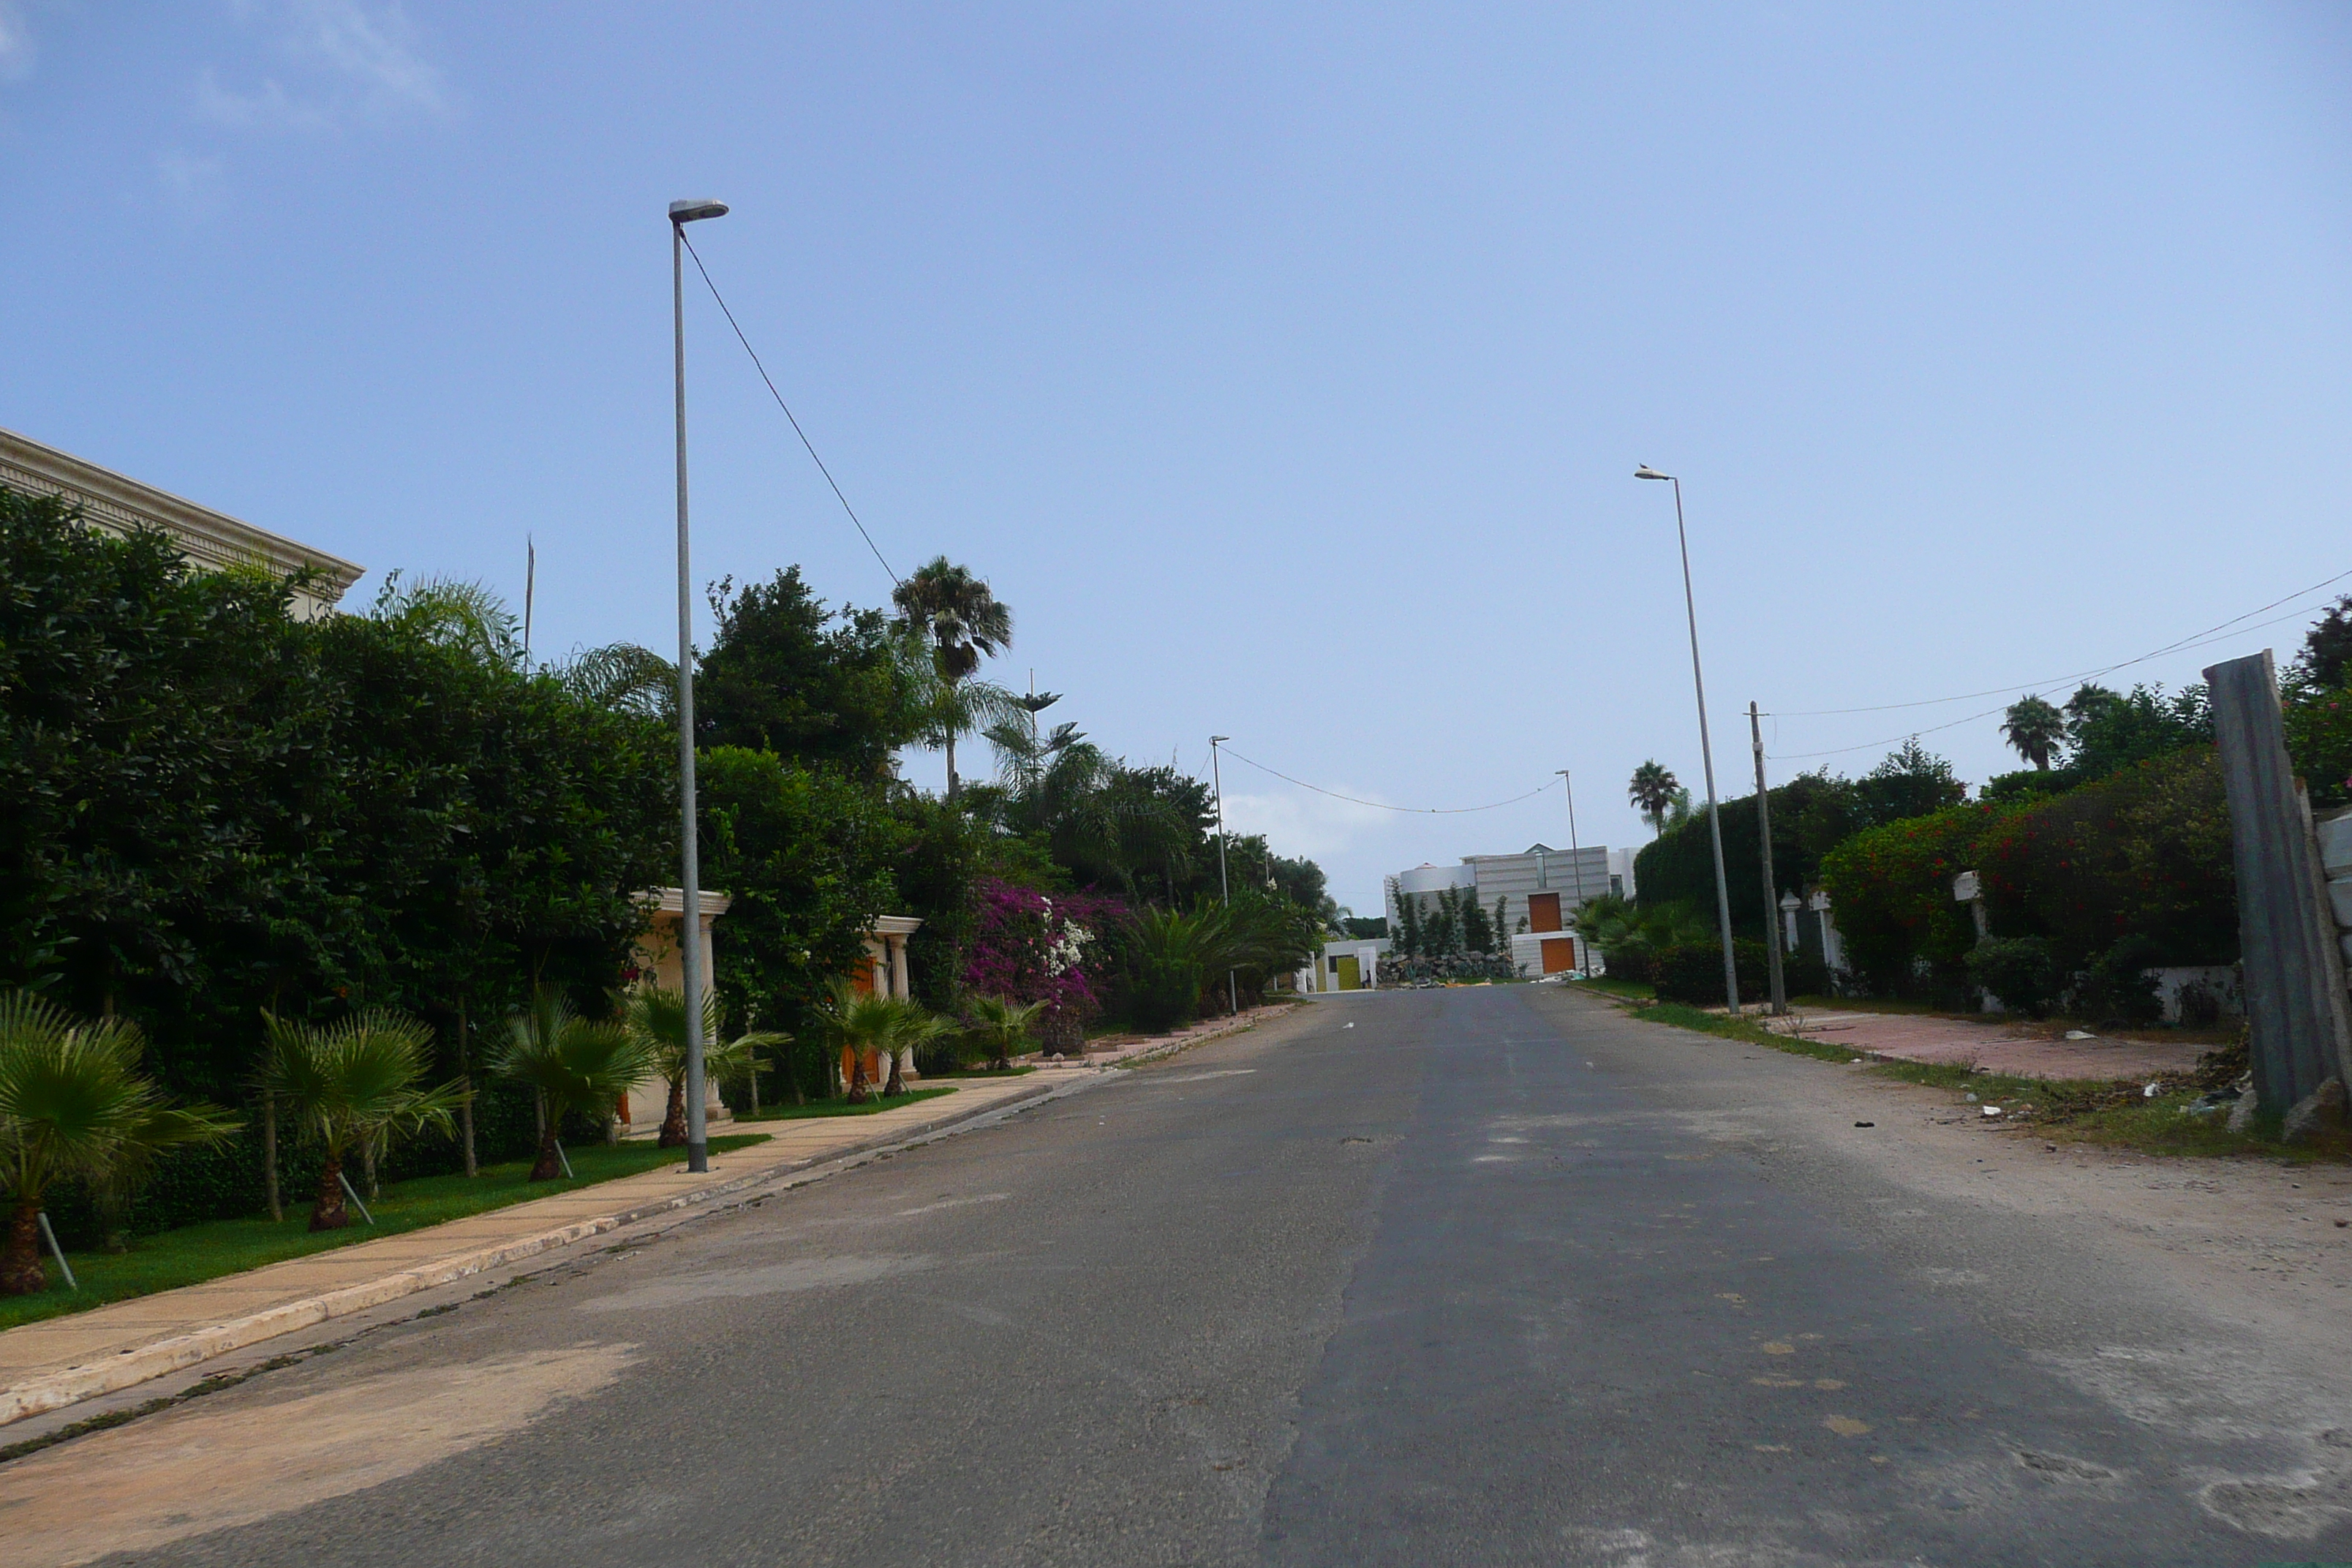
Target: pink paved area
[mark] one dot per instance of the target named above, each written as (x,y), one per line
(2000,1046)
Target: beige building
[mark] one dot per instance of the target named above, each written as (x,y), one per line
(206,538)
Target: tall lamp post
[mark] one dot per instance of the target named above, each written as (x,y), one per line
(1225,887)
(689,914)
(1705,750)
(1575,854)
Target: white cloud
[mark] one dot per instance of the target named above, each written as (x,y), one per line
(16,43)
(192,182)
(349,62)
(1296,822)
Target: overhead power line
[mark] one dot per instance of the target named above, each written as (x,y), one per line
(779,397)
(1384,805)
(2228,629)
(2189,641)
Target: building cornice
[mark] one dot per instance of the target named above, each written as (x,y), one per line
(119,504)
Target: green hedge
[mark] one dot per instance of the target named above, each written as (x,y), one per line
(215,807)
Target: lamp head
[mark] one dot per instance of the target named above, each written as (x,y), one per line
(1219,740)
(1647,473)
(694,212)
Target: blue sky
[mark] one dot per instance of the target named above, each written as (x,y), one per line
(1284,367)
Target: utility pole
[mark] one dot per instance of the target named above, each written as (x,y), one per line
(1575,856)
(1225,887)
(1771,892)
(689,914)
(1705,747)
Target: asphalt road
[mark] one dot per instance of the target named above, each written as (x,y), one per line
(1478,1276)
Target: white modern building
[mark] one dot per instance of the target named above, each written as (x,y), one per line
(1347,964)
(1536,892)
(205,537)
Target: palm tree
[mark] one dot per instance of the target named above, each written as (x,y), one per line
(74,1103)
(455,613)
(573,1063)
(1652,790)
(623,677)
(656,1016)
(1002,1026)
(2035,728)
(914,1026)
(865,1024)
(963,623)
(354,1086)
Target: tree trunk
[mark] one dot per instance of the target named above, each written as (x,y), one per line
(329,1213)
(547,1167)
(951,778)
(895,1084)
(858,1093)
(673,1127)
(21,1273)
(367,1172)
(269,1154)
(466,1106)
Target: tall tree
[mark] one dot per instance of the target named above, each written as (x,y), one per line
(2035,728)
(833,687)
(1652,790)
(964,623)
(2326,658)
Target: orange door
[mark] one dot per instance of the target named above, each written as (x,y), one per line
(1543,914)
(1558,954)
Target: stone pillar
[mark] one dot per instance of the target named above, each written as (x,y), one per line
(2295,1001)
(901,982)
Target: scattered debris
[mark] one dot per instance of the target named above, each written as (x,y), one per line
(1992,1110)
(2080,1035)
(1873,1124)
(2151,1092)
(2320,1111)
(1972,1097)
(2241,1115)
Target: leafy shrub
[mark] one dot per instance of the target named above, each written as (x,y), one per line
(1632,960)
(1892,888)
(1693,972)
(2142,852)
(2119,987)
(2019,969)
(2319,739)
(1804,974)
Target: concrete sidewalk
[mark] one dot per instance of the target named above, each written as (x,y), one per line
(58,1361)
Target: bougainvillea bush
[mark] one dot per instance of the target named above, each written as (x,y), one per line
(1892,888)
(1028,946)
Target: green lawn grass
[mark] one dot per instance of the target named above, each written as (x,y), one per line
(196,1253)
(1630,990)
(840,1106)
(979,1072)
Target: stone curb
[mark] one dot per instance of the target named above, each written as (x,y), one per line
(126,1369)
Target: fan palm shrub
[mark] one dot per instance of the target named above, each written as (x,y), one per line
(571,1063)
(863,1024)
(353,1087)
(74,1103)
(1003,1027)
(915,1025)
(656,1017)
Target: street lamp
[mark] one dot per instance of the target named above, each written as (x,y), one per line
(689,914)
(1225,887)
(1575,855)
(1706,751)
